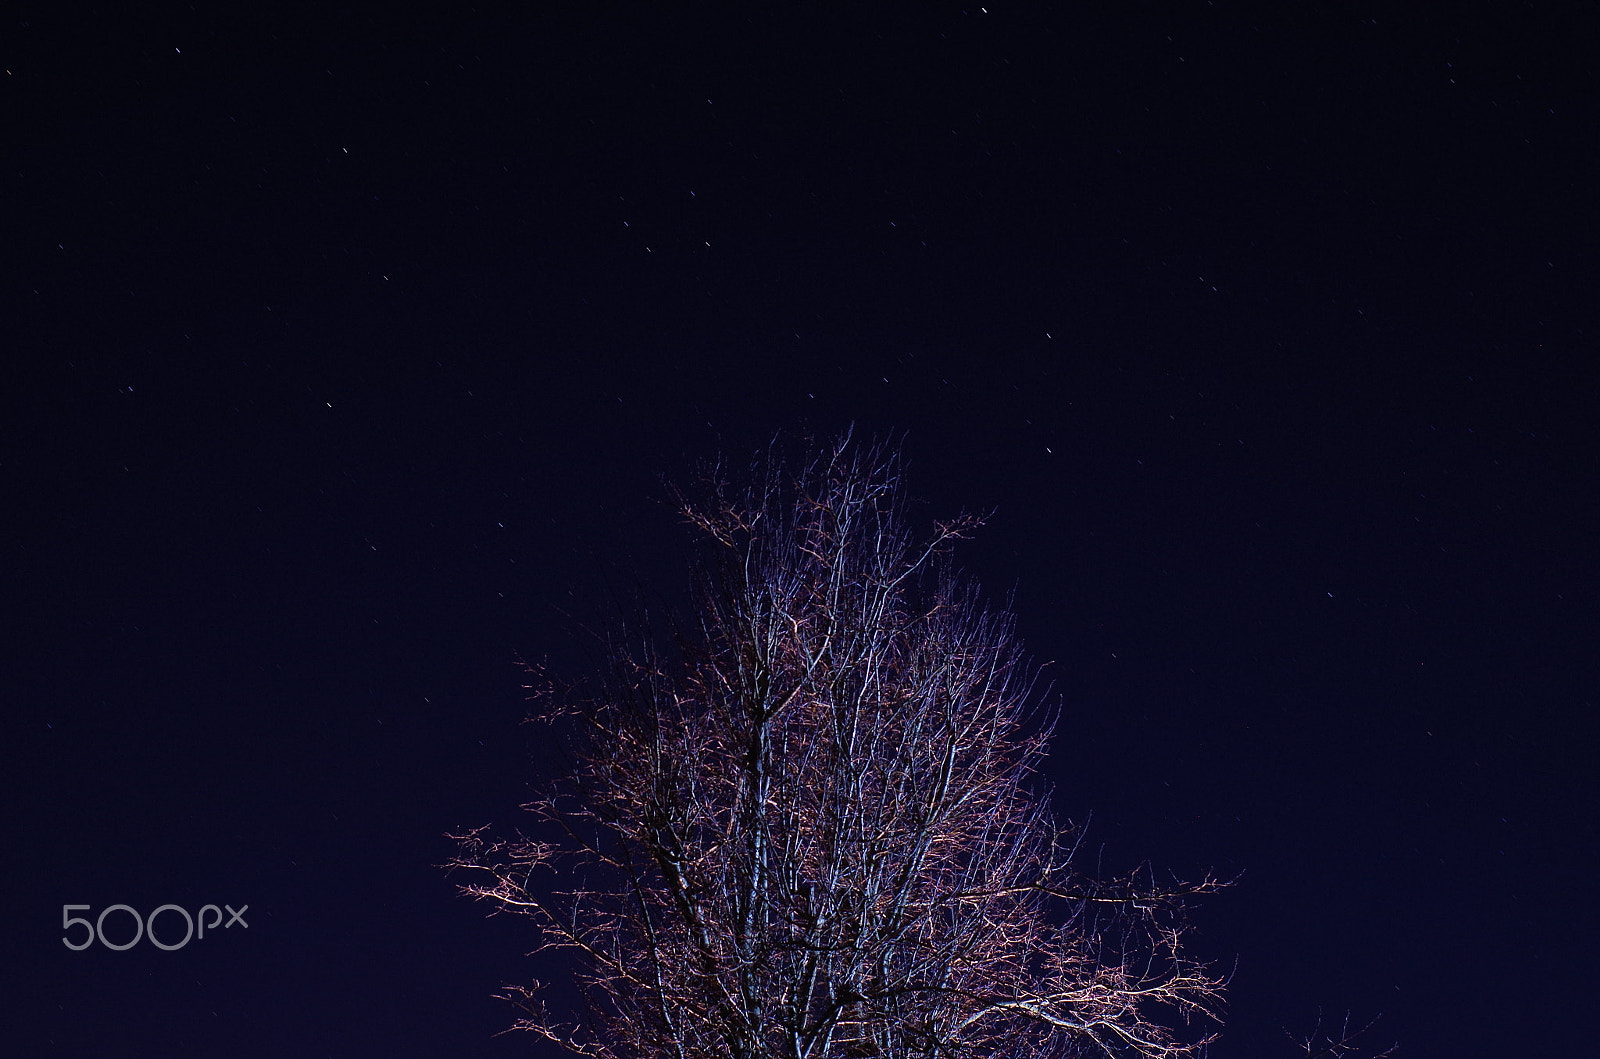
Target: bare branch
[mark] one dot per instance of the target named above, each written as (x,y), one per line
(1343,1041)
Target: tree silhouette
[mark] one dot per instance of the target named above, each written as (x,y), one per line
(811,826)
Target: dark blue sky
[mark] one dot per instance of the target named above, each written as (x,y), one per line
(342,351)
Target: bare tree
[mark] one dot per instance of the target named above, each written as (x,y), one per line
(814,830)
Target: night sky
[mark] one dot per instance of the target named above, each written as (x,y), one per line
(341,355)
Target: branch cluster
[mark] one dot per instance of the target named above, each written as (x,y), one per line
(814,833)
